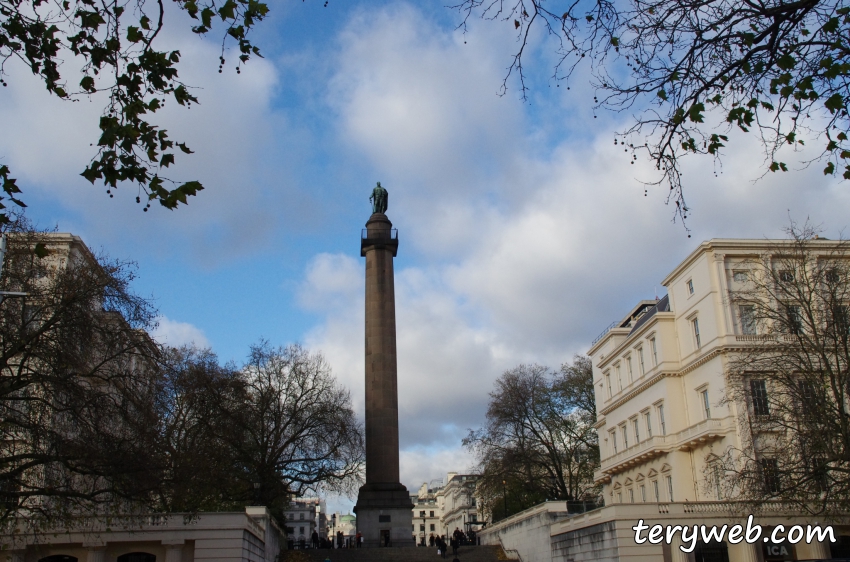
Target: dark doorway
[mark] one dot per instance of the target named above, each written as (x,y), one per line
(841,547)
(385,538)
(137,557)
(711,552)
(59,558)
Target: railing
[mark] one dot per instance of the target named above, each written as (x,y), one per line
(605,331)
(370,233)
(511,553)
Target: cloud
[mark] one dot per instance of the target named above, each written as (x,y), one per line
(175,334)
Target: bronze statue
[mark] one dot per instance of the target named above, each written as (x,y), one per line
(379,199)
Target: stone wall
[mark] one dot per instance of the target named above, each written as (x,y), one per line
(527,532)
(598,543)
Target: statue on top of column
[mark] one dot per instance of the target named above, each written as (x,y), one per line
(379,199)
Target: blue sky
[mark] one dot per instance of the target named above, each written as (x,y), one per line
(524,230)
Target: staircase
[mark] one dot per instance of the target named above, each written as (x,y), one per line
(418,554)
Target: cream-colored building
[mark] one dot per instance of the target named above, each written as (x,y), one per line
(459,504)
(427,514)
(660,383)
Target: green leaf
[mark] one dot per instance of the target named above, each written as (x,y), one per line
(184,148)
(786,62)
(834,103)
(87,84)
(60,92)
(829,170)
(695,112)
(662,94)
(145,22)
(40,251)
(615,41)
(134,35)
(228,11)
(167,160)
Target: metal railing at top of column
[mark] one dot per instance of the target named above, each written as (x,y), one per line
(371,233)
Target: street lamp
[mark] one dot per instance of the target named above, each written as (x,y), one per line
(505,496)
(333,528)
(423,530)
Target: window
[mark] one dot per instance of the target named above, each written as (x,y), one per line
(690,284)
(654,351)
(718,490)
(623,429)
(422,514)
(794,321)
(808,399)
(670,488)
(619,497)
(301,530)
(840,321)
(643,493)
(629,367)
(661,419)
(614,440)
(631,496)
(739,276)
(695,326)
(706,405)
(291,516)
(619,376)
(770,475)
(640,360)
(832,276)
(433,526)
(422,527)
(301,516)
(432,513)
(786,276)
(655,487)
(648,418)
(758,391)
(608,383)
(748,319)
(636,430)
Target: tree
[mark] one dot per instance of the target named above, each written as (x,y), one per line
(77,432)
(781,69)
(116,44)
(792,381)
(539,442)
(277,427)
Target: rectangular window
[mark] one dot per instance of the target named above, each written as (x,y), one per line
(770,475)
(433,527)
(301,530)
(421,514)
(648,418)
(661,419)
(794,321)
(748,319)
(301,516)
(786,276)
(422,527)
(623,429)
(718,490)
(670,488)
(619,497)
(619,376)
(631,496)
(840,321)
(655,488)
(690,286)
(636,430)
(614,440)
(739,276)
(608,383)
(643,493)
(758,390)
(640,361)
(432,513)
(654,352)
(808,399)
(695,326)
(629,367)
(706,405)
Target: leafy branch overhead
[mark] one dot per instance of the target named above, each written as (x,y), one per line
(117,44)
(779,68)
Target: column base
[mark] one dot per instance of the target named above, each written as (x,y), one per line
(385,510)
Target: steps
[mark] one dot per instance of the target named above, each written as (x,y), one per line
(418,554)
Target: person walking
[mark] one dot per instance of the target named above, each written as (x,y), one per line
(315,539)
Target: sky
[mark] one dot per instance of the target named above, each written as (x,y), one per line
(524,231)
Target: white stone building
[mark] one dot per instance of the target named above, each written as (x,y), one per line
(660,380)
(427,514)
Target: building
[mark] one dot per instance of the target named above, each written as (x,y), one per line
(660,376)
(458,503)
(302,518)
(427,514)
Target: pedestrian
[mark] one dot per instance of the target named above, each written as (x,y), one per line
(453,542)
(315,540)
(359,539)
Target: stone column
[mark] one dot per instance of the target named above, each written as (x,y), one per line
(383,504)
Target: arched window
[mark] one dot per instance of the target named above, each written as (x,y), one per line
(137,557)
(59,558)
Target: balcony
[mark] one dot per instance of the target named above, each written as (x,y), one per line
(697,435)
(379,238)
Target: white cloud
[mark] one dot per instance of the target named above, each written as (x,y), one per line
(174,333)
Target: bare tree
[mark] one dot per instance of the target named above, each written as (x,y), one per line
(77,429)
(791,383)
(539,442)
(775,67)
